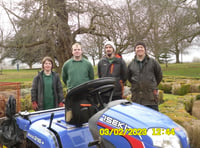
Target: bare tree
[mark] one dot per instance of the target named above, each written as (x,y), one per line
(50,27)
(166,26)
(124,26)
(111,27)
(181,28)
(173,24)
(92,46)
(53,25)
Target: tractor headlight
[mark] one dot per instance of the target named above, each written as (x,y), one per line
(164,138)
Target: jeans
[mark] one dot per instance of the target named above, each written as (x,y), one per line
(155,107)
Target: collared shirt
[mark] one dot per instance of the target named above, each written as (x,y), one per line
(141,63)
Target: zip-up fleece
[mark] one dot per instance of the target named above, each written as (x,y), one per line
(38,90)
(117,69)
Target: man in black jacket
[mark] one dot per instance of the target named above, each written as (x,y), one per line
(144,74)
(113,66)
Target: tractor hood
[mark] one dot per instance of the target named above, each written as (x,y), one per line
(134,124)
(135,116)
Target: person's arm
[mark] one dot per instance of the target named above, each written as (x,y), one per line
(91,72)
(59,90)
(158,72)
(34,94)
(124,71)
(64,74)
(99,69)
(34,90)
(129,73)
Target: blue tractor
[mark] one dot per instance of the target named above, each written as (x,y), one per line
(86,121)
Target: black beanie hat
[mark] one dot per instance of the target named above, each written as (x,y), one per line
(140,43)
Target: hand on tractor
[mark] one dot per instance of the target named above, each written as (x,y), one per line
(34,105)
(61,104)
(155,92)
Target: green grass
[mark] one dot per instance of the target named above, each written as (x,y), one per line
(185,70)
(191,70)
(170,97)
(23,75)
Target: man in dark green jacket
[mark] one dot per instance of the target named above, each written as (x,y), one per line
(144,74)
(113,66)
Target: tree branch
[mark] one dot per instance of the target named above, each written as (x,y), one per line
(8,10)
(25,46)
(91,29)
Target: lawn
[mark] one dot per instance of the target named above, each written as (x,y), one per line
(22,75)
(188,70)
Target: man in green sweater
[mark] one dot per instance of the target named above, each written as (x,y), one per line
(77,70)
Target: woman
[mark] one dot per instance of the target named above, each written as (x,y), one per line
(47,91)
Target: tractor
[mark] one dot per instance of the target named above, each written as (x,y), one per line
(87,122)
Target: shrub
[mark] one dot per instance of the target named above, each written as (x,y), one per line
(26,103)
(25,85)
(195,88)
(128,84)
(166,87)
(196,109)
(198,97)
(168,80)
(175,107)
(25,92)
(188,105)
(128,98)
(160,96)
(2,105)
(64,92)
(180,89)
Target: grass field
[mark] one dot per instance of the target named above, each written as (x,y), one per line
(188,70)
(22,75)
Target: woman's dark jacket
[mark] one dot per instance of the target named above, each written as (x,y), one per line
(37,89)
(144,80)
(116,69)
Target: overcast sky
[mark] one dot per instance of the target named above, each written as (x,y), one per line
(5,24)
(193,52)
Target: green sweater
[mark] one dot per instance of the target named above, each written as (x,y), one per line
(48,101)
(75,73)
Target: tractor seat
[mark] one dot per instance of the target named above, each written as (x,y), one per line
(85,100)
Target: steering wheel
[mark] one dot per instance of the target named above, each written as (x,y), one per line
(94,87)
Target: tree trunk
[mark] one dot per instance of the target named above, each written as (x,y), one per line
(93,60)
(198,11)
(177,53)
(64,36)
